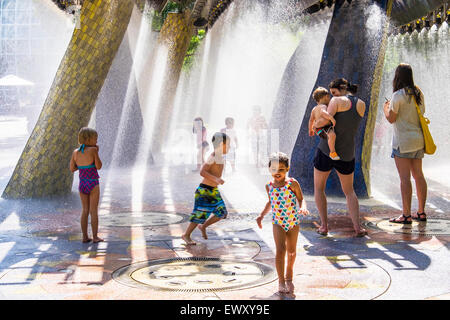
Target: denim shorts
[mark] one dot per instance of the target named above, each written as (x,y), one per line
(410,155)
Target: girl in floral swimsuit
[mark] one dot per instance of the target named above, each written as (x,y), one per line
(284,193)
(87,161)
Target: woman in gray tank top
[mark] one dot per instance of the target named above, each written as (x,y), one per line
(348,111)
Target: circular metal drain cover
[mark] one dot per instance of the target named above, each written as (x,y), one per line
(140,219)
(431,227)
(195,274)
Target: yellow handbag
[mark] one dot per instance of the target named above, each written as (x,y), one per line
(430,147)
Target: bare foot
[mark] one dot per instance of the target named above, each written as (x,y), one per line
(282,287)
(361,233)
(86,240)
(290,286)
(203,230)
(97,239)
(188,240)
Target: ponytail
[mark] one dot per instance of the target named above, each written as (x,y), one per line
(352,88)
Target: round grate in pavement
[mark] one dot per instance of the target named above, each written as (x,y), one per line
(140,219)
(431,227)
(195,274)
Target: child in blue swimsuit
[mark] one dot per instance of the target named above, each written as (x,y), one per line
(86,160)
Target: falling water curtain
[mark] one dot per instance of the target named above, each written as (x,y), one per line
(43,167)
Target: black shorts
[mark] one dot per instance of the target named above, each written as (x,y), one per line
(322,162)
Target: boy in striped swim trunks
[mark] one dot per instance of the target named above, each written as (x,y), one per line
(207,196)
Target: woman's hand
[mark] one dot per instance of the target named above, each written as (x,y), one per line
(390,115)
(386,105)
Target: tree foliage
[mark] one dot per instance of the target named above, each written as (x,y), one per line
(192,49)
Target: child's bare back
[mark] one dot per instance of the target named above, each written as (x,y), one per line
(85,158)
(317,114)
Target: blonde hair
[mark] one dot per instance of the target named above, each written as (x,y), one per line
(319,93)
(85,134)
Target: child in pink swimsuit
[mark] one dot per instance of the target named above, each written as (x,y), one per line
(287,204)
(87,161)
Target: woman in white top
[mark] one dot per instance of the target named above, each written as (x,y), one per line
(407,143)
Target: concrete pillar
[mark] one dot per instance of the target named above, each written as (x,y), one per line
(43,168)
(354,49)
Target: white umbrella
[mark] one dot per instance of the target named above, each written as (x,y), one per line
(12,80)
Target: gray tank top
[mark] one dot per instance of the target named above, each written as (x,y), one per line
(347,123)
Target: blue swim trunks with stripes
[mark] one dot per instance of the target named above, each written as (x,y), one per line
(207,200)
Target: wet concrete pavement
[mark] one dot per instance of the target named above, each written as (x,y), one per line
(143,214)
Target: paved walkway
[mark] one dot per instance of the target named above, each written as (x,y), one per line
(144,212)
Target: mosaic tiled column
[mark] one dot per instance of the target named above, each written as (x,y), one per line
(176,34)
(43,168)
(354,49)
(140,4)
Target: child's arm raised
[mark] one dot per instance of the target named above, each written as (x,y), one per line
(299,194)
(97,161)
(73,166)
(265,210)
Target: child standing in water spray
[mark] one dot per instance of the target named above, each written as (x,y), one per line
(287,204)
(321,122)
(231,132)
(87,161)
(199,130)
(207,196)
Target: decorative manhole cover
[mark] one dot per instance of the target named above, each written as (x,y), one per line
(195,274)
(140,219)
(431,227)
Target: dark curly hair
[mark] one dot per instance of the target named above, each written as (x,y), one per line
(279,157)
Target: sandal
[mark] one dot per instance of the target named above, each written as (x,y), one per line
(361,234)
(322,233)
(404,221)
(418,218)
